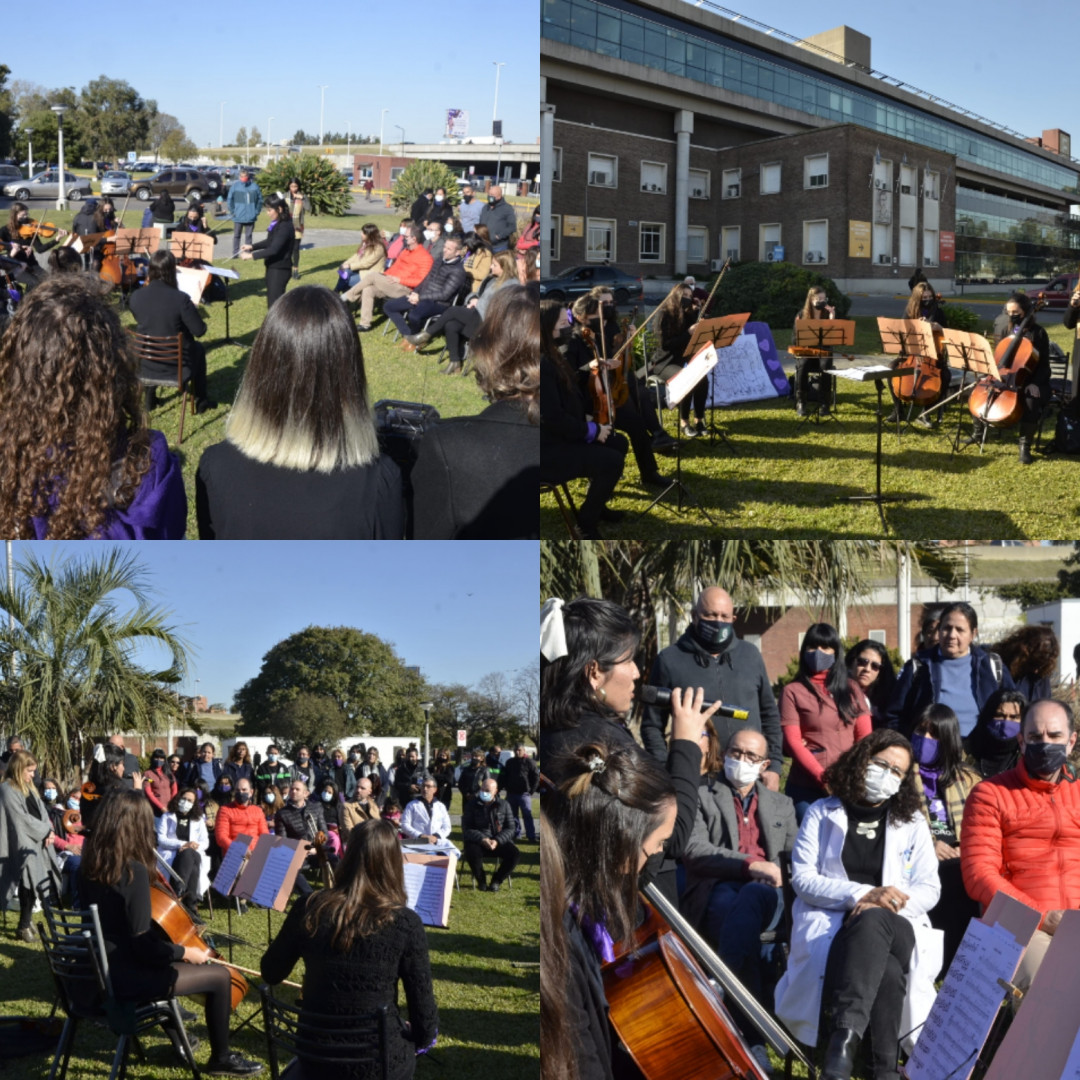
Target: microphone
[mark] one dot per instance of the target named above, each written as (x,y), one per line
(661,695)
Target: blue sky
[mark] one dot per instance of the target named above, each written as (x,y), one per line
(416,59)
(458,610)
(970,54)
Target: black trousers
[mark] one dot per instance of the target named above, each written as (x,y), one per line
(187,864)
(508,856)
(602,463)
(954,910)
(866,978)
(296,252)
(460,325)
(277,278)
(807,365)
(26,907)
(628,419)
(697,397)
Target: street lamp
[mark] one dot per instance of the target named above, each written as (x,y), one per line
(382,121)
(494,121)
(402,130)
(427,706)
(61,202)
(221,126)
(268,123)
(322,103)
(29,153)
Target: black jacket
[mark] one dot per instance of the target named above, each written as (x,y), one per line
(300,823)
(501,221)
(487,821)
(162,311)
(476,477)
(562,407)
(440,212)
(406,778)
(737,677)
(444,281)
(276,249)
(471,778)
(419,210)
(520,775)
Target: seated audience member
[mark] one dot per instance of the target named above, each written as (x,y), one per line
(301,819)
(162,209)
(530,238)
(1022,829)
(75,452)
(473,775)
(869,665)
(433,295)
(68,843)
(395,244)
(865,876)
(945,781)
(390,808)
(499,219)
(241,817)
(83,222)
(358,942)
(476,476)
(1031,654)
(477,259)
(425,818)
(520,778)
(330,799)
(362,808)
(434,238)
(184,843)
(470,209)
(370,256)
(993,745)
(301,457)
(487,825)
(405,274)
(106,775)
(271,801)
(528,265)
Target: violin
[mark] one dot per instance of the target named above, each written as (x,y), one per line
(603,409)
(1000,402)
(28,230)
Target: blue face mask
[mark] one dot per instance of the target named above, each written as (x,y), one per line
(925,749)
(486,796)
(817,661)
(49,794)
(73,804)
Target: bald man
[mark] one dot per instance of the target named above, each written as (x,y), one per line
(710,655)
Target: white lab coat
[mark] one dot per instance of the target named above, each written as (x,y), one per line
(417,822)
(169,845)
(825,896)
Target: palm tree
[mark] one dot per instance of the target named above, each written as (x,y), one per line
(69,661)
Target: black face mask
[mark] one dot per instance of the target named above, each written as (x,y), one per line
(687,302)
(650,869)
(714,636)
(821,305)
(1045,758)
(466,198)
(1016,320)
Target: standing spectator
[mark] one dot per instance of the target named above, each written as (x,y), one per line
(162,210)
(245,202)
(184,843)
(372,765)
(273,770)
(158,784)
(14,745)
(869,665)
(1031,654)
(362,808)
(176,766)
(822,714)
(341,773)
(276,249)
(499,219)
(530,238)
(239,818)
(405,274)
(442,768)
(425,818)
(488,827)
(299,204)
(440,210)
(710,655)
(356,757)
(408,776)
(521,778)
(494,759)
(132,776)
(421,206)
(106,773)
(470,209)
(473,775)
(239,764)
(993,745)
(304,768)
(369,187)
(27,862)
(206,767)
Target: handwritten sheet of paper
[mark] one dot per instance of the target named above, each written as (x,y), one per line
(273,876)
(229,870)
(966,1004)
(740,373)
(425,886)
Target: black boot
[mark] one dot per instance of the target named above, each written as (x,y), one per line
(840,1055)
(1025,450)
(978,431)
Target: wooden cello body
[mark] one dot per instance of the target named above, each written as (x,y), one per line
(1000,402)
(668,1014)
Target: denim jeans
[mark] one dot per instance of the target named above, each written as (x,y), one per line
(738,913)
(523,803)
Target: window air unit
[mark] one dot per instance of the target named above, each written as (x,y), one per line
(698,193)
(819,180)
(820,256)
(645,187)
(716,265)
(884,258)
(905,189)
(733,191)
(600,178)
(732,253)
(811,257)
(656,187)
(878,184)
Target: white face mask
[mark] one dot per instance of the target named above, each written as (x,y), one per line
(401,231)
(429,234)
(881,784)
(740,773)
(184,805)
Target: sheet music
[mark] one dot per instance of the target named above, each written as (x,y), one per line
(966,1004)
(864,374)
(424,887)
(445,848)
(680,384)
(222,271)
(273,875)
(229,870)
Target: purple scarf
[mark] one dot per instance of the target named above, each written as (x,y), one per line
(598,935)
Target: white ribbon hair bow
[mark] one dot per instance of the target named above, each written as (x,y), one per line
(552,630)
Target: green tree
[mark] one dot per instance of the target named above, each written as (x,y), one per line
(418,176)
(255,138)
(71,662)
(362,673)
(310,719)
(113,118)
(773,292)
(449,713)
(7,111)
(162,127)
(177,146)
(241,137)
(327,190)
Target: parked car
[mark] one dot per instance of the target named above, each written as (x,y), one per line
(46,185)
(143,167)
(189,183)
(1057,290)
(115,182)
(9,173)
(578,280)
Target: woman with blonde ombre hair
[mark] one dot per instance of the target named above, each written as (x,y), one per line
(301,456)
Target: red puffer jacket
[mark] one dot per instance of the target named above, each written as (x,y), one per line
(1022,837)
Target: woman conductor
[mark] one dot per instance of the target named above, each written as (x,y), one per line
(276,249)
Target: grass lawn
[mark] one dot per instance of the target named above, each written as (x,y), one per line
(485,969)
(788,478)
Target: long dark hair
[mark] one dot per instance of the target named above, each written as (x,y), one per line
(980,743)
(602,814)
(595,630)
(162,267)
(369,887)
(881,689)
(196,810)
(942,724)
(550,313)
(558,1061)
(100,774)
(123,833)
(303,401)
(276,202)
(846,777)
(823,636)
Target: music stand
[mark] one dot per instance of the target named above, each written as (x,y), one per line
(189,245)
(877,374)
(268,877)
(719,333)
(977,356)
(816,339)
(677,387)
(907,338)
(132,242)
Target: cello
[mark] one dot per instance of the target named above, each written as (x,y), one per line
(922,382)
(1000,402)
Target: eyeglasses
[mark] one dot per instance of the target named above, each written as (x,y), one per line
(744,755)
(898,773)
(873,665)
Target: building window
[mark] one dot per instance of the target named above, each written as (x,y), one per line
(816,171)
(907,180)
(603,170)
(555,239)
(816,242)
(883,245)
(732,182)
(907,246)
(395,172)
(556,164)
(697,244)
(770,179)
(600,240)
(698,183)
(931,184)
(730,242)
(877,635)
(768,238)
(930,247)
(651,242)
(654,177)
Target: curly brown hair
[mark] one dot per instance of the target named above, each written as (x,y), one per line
(506,348)
(1029,650)
(73,440)
(846,777)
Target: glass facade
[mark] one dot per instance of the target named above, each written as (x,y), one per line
(618,28)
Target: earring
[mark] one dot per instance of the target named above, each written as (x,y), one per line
(603,694)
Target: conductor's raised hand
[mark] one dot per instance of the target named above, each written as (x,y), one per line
(686,715)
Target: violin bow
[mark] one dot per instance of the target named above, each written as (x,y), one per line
(603,366)
(648,319)
(716,285)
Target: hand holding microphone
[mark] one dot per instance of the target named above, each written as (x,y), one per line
(662,696)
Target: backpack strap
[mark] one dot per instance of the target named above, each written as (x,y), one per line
(996,666)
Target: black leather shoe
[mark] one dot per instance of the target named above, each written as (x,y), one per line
(654,480)
(493,887)
(840,1055)
(612,515)
(232,1064)
(205,405)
